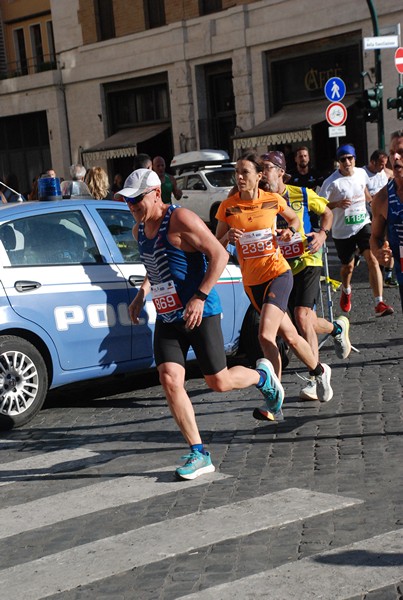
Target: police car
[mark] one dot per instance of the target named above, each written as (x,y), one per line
(68,271)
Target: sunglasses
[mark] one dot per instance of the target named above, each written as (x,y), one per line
(137,199)
(344,158)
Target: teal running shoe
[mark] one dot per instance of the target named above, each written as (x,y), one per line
(262,414)
(272,389)
(196,464)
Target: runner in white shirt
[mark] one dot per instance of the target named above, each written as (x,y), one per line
(347,192)
(379,176)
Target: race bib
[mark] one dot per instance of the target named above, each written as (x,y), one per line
(355,214)
(293,248)
(165,297)
(257,244)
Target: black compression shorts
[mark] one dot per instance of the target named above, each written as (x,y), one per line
(172,342)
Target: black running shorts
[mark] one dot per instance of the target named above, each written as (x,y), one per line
(346,247)
(172,342)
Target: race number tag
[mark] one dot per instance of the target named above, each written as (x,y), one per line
(355,214)
(257,244)
(165,297)
(293,248)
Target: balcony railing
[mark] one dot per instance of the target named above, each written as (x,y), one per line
(30,66)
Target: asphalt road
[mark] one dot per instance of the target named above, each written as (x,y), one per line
(306,509)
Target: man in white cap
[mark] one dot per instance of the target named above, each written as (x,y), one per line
(173,244)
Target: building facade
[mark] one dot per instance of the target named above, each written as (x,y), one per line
(97,81)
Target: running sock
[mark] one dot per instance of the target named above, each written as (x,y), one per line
(346,290)
(336,329)
(198,447)
(388,273)
(378,299)
(262,380)
(317,371)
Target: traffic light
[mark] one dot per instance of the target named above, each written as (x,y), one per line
(372,103)
(397,102)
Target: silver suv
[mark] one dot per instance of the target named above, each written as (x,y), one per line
(205,178)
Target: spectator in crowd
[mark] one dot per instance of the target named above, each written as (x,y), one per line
(117,183)
(51,173)
(98,183)
(304,174)
(142,161)
(168,182)
(387,209)
(33,194)
(11,195)
(77,172)
(347,193)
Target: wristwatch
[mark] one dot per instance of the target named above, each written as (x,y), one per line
(327,231)
(201,295)
(292,229)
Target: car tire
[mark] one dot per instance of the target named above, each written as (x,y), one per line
(23,381)
(249,342)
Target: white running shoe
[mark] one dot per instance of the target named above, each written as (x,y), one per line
(342,344)
(308,392)
(323,387)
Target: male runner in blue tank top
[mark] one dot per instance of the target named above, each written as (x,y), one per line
(173,244)
(387,214)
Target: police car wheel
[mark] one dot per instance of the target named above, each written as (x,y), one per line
(23,381)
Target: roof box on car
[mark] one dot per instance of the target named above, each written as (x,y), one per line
(199,158)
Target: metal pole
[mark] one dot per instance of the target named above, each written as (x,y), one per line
(378,73)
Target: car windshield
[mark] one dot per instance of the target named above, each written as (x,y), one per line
(221,178)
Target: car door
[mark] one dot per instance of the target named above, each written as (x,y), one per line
(195,195)
(116,221)
(60,276)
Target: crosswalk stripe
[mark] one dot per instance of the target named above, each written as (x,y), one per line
(97,560)
(342,573)
(43,464)
(93,498)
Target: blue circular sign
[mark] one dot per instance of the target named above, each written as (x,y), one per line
(335,89)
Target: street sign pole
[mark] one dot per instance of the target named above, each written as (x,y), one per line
(378,73)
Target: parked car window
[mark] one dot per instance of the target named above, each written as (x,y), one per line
(51,239)
(195,182)
(181,181)
(221,178)
(120,224)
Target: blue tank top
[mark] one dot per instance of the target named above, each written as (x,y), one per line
(395,228)
(166,263)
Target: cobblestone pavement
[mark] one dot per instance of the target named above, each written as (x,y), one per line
(308,508)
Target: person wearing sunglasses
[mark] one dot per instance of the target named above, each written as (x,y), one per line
(387,210)
(174,245)
(347,192)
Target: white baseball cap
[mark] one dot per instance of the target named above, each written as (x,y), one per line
(138,182)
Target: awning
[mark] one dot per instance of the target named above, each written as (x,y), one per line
(123,143)
(291,124)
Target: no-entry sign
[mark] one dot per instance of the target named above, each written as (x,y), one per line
(399,60)
(336,114)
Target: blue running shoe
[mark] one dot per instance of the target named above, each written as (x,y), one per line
(272,389)
(196,464)
(262,414)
